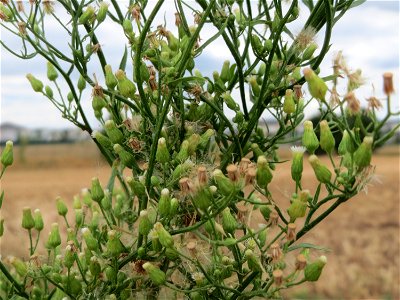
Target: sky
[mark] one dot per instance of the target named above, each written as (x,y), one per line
(368,36)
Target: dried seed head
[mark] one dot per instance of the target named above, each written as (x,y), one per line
(244,165)
(334,99)
(20,6)
(291,232)
(233,173)
(278,277)
(298,93)
(274,218)
(192,248)
(388,83)
(374,103)
(301,262)
(243,213)
(305,37)
(135,12)
(185,185)
(250,176)
(138,266)
(355,80)
(202,175)
(339,63)
(22,28)
(276,251)
(48,6)
(178,20)
(353,103)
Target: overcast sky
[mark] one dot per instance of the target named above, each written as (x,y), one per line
(368,36)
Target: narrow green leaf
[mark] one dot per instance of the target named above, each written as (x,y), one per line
(308,246)
(1,199)
(122,65)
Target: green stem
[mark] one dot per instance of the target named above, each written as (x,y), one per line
(20,289)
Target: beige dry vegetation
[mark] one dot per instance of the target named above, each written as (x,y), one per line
(363,234)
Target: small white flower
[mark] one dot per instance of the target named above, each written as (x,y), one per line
(298,149)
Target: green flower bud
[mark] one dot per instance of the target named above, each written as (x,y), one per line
(265,211)
(164,204)
(155,181)
(69,257)
(289,106)
(257,152)
(316,85)
(81,83)
(98,103)
(48,91)
(54,239)
(7,156)
(297,162)
(137,187)
(145,224)
(313,271)
(224,184)
(205,139)
(346,145)
(181,170)
(37,217)
(70,97)
(254,86)
(113,132)
(326,139)
(228,221)
(111,274)
(111,80)
(308,53)
(173,42)
(94,267)
(71,237)
(27,219)
(183,152)
(95,220)
(114,245)
(127,26)
(193,140)
(264,174)
(19,266)
(309,139)
(102,139)
(202,197)
(126,87)
(156,275)
(106,202)
(252,261)
(174,207)
(225,74)
(262,236)
(78,217)
(321,171)
(229,101)
(36,84)
(362,156)
(90,241)
(256,44)
(96,190)
(162,154)
(164,237)
(51,72)
(126,158)
(62,209)
(88,15)
(298,207)
(102,13)
(1,227)
(172,254)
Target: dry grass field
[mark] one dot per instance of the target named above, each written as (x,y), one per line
(363,234)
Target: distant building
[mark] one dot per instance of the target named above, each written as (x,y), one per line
(16,133)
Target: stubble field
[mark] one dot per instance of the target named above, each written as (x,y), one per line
(363,234)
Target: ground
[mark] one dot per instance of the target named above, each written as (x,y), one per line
(362,234)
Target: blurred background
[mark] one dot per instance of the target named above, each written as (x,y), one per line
(52,159)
